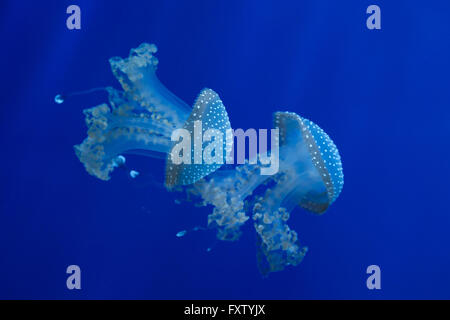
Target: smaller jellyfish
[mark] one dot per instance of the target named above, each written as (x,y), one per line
(310,176)
(141,119)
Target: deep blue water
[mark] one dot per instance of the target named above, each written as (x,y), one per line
(382,95)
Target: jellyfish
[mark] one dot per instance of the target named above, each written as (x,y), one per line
(310,176)
(144,118)
(141,118)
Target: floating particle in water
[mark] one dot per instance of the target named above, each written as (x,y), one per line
(181,233)
(134,174)
(119,161)
(59,98)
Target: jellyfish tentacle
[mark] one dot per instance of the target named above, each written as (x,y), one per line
(227,191)
(278,245)
(142,117)
(137,76)
(111,134)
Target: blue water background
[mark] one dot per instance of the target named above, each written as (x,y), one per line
(383,96)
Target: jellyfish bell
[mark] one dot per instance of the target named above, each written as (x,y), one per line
(316,158)
(140,119)
(209,114)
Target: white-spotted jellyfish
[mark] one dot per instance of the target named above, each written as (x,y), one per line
(140,120)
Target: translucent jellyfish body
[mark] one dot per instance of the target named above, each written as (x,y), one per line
(141,119)
(310,175)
